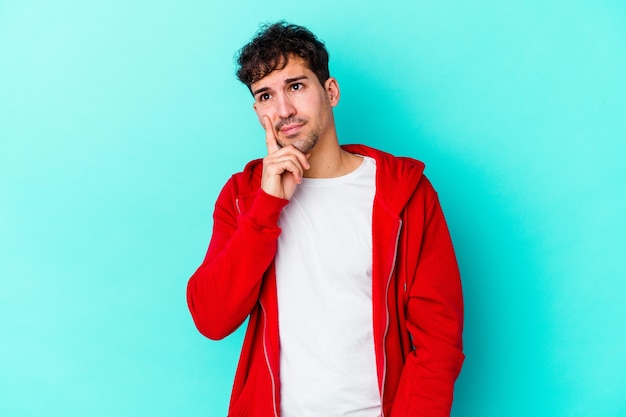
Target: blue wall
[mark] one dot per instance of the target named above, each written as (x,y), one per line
(120,121)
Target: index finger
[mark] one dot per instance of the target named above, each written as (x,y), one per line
(270,138)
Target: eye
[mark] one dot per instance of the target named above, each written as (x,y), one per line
(264,96)
(297,86)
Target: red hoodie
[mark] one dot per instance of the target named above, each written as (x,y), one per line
(416,290)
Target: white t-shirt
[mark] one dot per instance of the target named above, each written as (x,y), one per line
(324,279)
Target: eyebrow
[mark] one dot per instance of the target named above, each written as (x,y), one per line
(287,81)
(291,80)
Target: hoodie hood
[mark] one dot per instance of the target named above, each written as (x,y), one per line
(396,177)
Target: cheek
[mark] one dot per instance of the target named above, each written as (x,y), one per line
(262,112)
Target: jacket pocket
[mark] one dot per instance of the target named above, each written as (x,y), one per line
(242,403)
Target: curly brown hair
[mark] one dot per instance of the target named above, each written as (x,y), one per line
(271,48)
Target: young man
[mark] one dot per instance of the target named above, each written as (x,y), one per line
(339,255)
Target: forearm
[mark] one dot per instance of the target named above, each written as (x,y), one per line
(225,288)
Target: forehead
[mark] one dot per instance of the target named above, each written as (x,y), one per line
(295,67)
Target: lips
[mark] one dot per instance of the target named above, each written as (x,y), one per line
(290,126)
(291,129)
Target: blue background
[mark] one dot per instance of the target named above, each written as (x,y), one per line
(120,121)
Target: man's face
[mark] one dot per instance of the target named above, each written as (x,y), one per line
(298,106)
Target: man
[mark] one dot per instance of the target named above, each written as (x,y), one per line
(339,256)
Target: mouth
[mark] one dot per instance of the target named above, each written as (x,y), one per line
(291,126)
(291,130)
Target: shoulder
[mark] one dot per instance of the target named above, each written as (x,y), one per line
(399,179)
(390,165)
(248,180)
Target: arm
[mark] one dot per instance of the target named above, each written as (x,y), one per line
(434,313)
(225,288)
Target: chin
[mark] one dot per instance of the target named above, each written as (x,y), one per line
(304,145)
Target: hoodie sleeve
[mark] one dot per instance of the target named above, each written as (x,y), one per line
(434,320)
(225,288)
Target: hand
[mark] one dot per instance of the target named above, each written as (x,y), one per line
(283,168)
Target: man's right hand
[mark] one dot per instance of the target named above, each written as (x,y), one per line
(283,168)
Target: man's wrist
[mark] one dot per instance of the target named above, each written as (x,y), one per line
(266,208)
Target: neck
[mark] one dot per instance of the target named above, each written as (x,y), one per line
(328,160)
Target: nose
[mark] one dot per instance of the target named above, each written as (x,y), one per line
(285,108)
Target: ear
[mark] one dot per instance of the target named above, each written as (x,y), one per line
(332,90)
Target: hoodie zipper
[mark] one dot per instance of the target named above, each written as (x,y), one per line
(393,267)
(267,361)
(237,205)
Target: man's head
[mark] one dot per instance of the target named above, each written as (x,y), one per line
(272,47)
(286,69)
